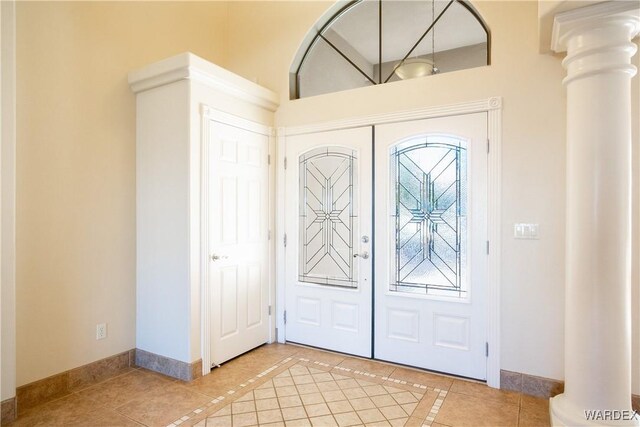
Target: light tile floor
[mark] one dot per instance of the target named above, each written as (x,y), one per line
(286,385)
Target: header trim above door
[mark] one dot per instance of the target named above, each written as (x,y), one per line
(493,104)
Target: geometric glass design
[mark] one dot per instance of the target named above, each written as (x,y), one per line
(429,207)
(328,216)
(364,43)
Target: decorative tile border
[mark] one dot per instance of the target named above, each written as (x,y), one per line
(254,381)
(436,407)
(200,413)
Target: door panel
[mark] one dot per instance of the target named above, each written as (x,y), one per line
(328,198)
(431,188)
(238,198)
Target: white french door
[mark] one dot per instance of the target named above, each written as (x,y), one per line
(238,240)
(430,244)
(328,228)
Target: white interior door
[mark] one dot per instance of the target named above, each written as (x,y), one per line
(431,244)
(238,227)
(328,228)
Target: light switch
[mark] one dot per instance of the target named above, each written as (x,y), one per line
(525,231)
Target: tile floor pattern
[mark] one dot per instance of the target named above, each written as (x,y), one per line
(306,396)
(285,385)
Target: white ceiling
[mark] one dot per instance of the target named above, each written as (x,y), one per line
(403,24)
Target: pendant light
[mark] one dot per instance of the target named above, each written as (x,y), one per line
(434,69)
(419,67)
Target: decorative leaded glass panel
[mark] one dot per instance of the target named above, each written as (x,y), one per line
(429,179)
(328,216)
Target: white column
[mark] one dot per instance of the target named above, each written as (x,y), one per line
(597,40)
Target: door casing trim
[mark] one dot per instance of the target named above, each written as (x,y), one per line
(208,114)
(493,107)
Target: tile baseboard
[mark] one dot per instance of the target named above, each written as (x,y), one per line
(165,365)
(540,386)
(8,411)
(530,384)
(60,385)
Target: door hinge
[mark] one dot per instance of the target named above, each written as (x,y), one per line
(285,317)
(269,235)
(268,159)
(285,240)
(487,247)
(488,145)
(269,310)
(486,349)
(285,162)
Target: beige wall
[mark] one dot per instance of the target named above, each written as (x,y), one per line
(76,167)
(533,186)
(76,146)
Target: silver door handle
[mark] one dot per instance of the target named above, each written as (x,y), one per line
(215,257)
(363,255)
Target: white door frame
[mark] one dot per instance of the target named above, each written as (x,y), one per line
(493,107)
(208,114)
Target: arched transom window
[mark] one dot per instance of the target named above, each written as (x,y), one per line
(371,42)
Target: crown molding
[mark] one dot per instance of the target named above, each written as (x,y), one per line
(187,66)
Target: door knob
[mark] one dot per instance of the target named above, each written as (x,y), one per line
(363,255)
(215,257)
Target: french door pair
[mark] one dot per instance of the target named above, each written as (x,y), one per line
(386,252)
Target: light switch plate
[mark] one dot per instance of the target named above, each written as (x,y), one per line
(525,231)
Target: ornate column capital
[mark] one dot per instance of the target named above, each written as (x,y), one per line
(567,24)
(597,38)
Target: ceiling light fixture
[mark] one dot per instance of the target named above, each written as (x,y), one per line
(420,67)
(415,67)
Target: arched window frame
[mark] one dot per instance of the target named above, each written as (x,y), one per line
(339,9)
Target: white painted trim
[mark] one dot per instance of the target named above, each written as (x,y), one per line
(189,66)
(400,116)
(2,73)
(208,114)
(205,307)
(235,121)
(494,205)
(8,199)
(493,107)
(279,234)
(272,242)
(566,23)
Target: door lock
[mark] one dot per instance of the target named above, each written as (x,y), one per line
(363,255)
(215,257)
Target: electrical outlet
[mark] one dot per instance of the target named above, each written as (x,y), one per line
(101,331)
